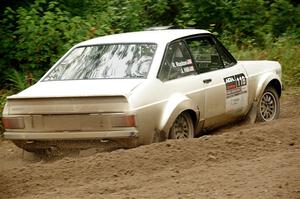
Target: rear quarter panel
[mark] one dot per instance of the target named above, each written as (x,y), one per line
(157,105)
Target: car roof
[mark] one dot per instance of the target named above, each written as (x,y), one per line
(153,36)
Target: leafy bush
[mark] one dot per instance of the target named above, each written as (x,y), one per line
(18,81)
(285,50)
(34,37)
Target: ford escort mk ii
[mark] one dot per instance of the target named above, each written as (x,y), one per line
(142,87)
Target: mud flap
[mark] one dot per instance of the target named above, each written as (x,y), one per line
(251,115)
(159,136)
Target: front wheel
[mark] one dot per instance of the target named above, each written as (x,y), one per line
(182,127)
(268,106)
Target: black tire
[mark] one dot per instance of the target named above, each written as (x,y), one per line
(182,127)
(268,107)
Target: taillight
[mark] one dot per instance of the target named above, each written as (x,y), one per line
(13,122)
(124,121)
(130,120)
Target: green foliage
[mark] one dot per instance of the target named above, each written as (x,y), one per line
(211,15)
(285,50)
(284,17)
(33,35)
(18,81)
(127,15)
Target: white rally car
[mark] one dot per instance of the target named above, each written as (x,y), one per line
(141,87)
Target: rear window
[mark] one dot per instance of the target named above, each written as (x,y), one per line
(109,61)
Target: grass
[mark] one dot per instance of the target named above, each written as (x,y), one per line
(285,50)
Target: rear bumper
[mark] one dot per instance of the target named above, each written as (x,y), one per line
(80,135)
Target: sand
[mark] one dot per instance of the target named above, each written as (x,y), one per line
(259,160)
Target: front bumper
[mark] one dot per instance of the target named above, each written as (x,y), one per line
(66,135)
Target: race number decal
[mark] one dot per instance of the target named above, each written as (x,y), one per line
(236,92)
(235,84)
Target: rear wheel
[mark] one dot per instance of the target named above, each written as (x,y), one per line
(182,127)
(268,106)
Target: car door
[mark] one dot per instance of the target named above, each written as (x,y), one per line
(178,74)
(223,79)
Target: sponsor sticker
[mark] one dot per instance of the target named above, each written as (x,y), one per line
(235,85)
(236,92)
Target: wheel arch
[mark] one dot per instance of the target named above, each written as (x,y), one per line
(177,104)
(193,115)
(269,79)
(276,85)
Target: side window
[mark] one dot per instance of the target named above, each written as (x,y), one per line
(226,57)
(205,54)
(177,63)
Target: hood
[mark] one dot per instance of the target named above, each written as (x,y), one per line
(80,88)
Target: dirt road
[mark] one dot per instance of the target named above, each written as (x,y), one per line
(241,161)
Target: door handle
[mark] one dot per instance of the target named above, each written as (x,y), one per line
(206,81)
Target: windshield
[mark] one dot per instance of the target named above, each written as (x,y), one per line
(109,61)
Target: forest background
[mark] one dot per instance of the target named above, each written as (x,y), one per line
(34,34)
